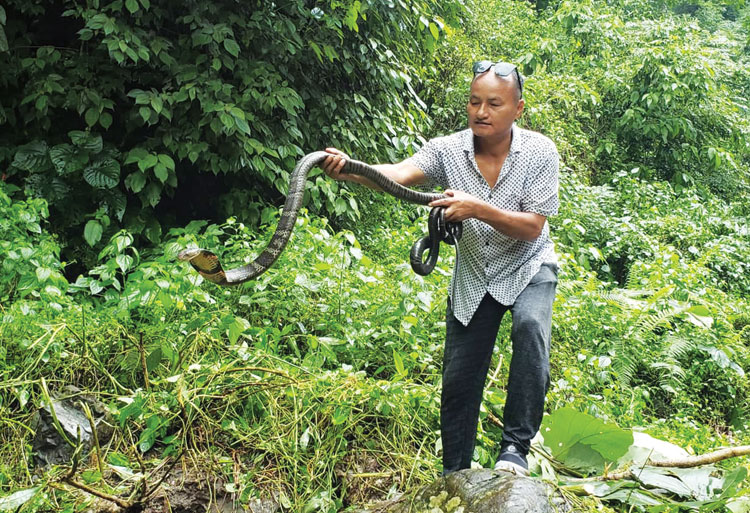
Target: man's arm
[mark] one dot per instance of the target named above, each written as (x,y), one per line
(519,225)
(404,173)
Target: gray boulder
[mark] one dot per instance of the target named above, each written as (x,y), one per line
(480,491)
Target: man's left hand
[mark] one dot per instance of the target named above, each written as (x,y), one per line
(459,205)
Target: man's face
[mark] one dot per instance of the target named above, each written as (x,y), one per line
(493,106)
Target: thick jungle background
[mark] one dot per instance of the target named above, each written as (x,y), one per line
(130,130)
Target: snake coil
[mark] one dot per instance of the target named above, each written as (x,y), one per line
(208,265)
(439,231)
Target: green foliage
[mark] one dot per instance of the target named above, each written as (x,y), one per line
(152,97)
(306,382)
(584,442)
(31,267)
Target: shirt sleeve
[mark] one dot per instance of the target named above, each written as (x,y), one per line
(430,160)
(541,189)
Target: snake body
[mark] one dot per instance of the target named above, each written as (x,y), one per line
(440,231)
(208,265)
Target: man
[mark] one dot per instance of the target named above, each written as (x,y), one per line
(501,181)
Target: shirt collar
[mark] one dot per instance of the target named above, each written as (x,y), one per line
(515,141)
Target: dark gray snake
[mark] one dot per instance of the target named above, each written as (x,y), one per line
(208,265)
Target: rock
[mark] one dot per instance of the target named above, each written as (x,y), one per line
(480,491)
(48,447)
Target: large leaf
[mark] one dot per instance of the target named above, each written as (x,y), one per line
(15,500)
(660,478)
(93,232)
(721,359)
(583,441)
(86,140)
(103,174)
(115,202)
(646,447)
(32,157)
(67,158)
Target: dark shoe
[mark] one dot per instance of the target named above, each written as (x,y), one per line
(512,460)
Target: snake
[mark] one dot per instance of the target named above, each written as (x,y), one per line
(208,265)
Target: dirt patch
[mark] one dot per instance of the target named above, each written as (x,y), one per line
(367,477)
(190,494)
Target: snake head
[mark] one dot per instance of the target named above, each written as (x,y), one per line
(206,263)
(188,254)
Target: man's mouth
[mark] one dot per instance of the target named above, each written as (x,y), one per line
(481,123)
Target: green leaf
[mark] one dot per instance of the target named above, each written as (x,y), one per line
(157,104)
(398,361)
(352,14)
(14,501)
(153,230)
(32,157)
(124,262)
(661,478)
(42,273)
(135,155)
(136,181)
(131,5)
(147,162)
(103,174)
(236,328)
(93,232)
(92,116)
(3,18)
(105,120)
(231,46)
(167,161)
(86,140)
(341,414)
(583,441)
(91,476)
(153,359)
(152,194)
(41,102)
(242,125)
(118,459)
(67,158)
(3,41)
(116,202)
(434,31)
(161,172)
(700,316)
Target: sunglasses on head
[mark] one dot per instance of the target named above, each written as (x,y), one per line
(502,69)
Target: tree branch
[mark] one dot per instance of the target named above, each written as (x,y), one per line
(704,459)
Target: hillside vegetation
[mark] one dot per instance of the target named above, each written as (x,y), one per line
(130,130)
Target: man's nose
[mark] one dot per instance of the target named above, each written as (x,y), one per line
(481,111)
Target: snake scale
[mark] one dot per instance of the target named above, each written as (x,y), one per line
(208,265)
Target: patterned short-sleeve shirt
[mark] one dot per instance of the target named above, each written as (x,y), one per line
(487,260)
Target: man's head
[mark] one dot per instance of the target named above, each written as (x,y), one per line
(501,69)
(496,98)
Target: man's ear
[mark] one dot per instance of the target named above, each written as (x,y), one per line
(519,108)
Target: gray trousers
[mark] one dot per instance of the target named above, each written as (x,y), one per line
(466,360)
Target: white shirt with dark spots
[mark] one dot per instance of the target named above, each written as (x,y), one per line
(487,260)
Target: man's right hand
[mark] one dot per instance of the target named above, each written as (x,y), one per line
(334,163)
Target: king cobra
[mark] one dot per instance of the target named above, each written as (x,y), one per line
(208,265)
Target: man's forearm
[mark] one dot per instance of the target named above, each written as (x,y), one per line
(519,225)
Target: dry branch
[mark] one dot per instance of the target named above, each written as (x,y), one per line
(704,459)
